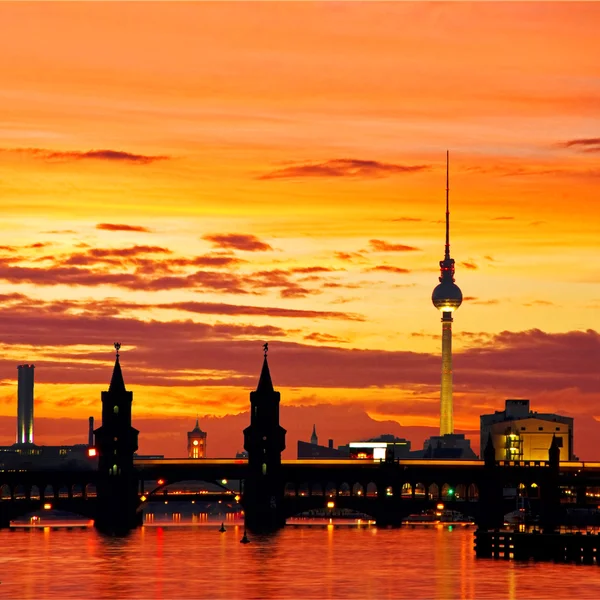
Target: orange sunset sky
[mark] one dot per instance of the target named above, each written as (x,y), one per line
(193,179)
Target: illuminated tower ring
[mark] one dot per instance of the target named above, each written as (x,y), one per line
(447,297)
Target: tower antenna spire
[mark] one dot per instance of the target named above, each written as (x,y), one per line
(447,253)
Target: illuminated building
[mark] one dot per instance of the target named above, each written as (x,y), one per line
(196,445)
(446,297)
(520,434)
(25,404)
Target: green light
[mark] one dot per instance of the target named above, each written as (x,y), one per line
(450,492)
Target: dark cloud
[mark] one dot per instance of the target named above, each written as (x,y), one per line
(389,269)
(238,241)
(382,246)
(234,309)
(469,265)
(343,167)
(349,256)
(107,155)
(584,144)
(407,220)
(324,338)
(121,227)
(503,219)
(131,251)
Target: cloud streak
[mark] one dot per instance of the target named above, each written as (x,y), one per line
(121,227)
(343,167)
(238,241)
(591,145)
(118,156)
(383,246)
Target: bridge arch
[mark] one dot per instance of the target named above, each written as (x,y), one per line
(316,489)
(303,489)
(19,492)
(48,492)
(420,490)
(77,491)
(289,489)
(63,491)
(330,489)
(460,493)
(344,489)
(371,490)
(473,493)
(34,493)
(434,492)
(407,490)
(90,490)
(358,489)
(5,492)
(447,492)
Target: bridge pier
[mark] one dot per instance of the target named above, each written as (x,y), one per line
(5,515)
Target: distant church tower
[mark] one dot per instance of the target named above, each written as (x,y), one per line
(447,297)
(313,438)
(196,442)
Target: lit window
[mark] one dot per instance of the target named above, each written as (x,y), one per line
(264,469)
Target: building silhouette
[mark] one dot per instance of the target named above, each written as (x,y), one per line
(313,438)
(518,433)
(25,404)
(25,454)
(446,297)
(309,450)
(196,442)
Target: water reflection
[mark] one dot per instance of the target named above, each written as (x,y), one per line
(163,561)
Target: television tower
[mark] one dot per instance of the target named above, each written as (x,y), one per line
(447,297)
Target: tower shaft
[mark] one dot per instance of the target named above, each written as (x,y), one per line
(25,404)
(446,405)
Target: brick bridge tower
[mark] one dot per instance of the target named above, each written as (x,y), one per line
(264,440)
(116,441)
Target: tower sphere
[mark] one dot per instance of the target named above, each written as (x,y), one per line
(447,296)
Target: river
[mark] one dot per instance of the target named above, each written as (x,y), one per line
(189,561)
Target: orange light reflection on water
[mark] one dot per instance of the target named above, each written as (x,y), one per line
(327,560)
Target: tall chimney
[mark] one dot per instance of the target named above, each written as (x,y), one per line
(25,404)
(91,432)
(331,443)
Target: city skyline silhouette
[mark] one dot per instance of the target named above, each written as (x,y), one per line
(291,190)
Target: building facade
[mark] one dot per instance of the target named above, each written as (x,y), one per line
(518,433)
(196,444)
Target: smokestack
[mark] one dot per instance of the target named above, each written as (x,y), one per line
(25,404)
(91,432)
(331,443)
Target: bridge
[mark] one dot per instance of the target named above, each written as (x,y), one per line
(273,489)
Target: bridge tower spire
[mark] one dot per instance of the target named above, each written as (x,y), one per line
(264,440)
(116,442)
